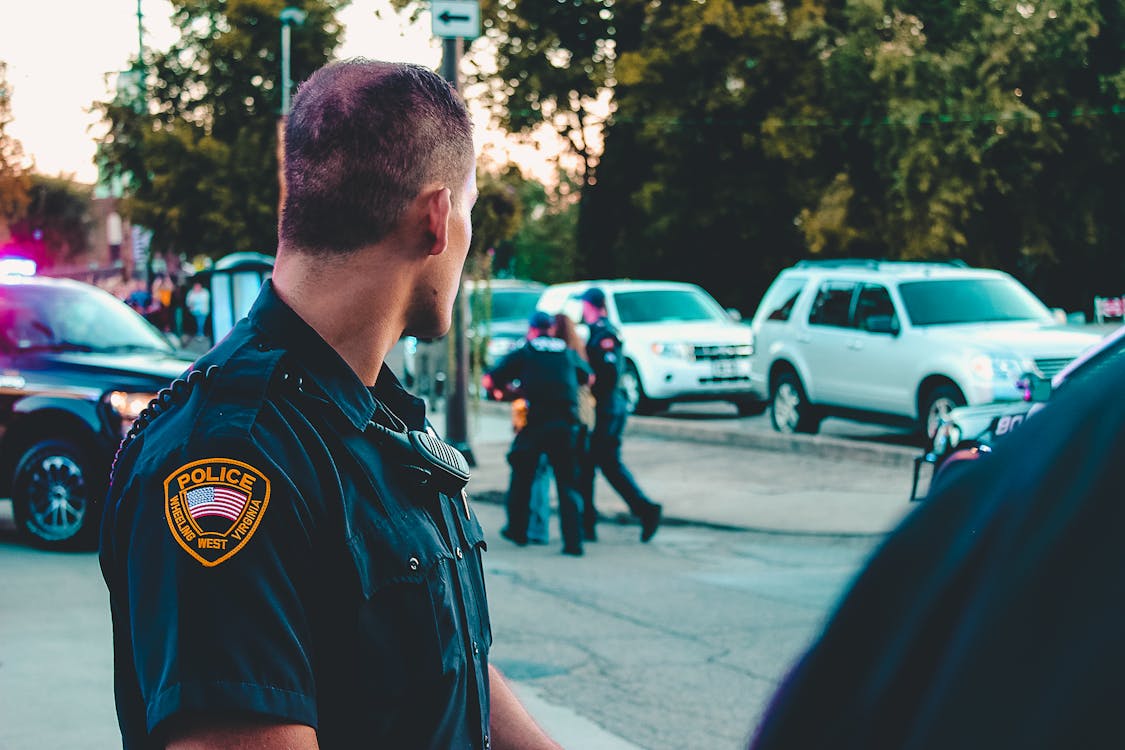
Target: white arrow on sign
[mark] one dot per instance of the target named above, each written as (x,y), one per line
(454,19)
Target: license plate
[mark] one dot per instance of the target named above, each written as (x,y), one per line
(724,368)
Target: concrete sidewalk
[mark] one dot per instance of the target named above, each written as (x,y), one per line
(732,477)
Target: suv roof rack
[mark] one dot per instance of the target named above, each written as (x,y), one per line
(873,262)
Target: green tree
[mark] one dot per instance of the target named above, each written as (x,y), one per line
(200,154)
(15,178)
(56,224)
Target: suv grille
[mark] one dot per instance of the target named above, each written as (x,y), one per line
(722,351)
(1049,367)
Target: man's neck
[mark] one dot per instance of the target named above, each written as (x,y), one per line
(348,302)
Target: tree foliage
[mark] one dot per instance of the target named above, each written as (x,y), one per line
(55,226)
(15,177)
(200,154)
(752,134)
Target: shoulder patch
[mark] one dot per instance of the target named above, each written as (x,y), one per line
(213,507)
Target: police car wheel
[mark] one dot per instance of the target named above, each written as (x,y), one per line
(54,503)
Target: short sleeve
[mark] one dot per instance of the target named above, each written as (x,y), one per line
(216,577)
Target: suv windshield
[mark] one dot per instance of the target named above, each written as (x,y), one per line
(507,304)
(665,305)
(951,301)
(71,319)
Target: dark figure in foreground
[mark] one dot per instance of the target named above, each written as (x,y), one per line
(603,350)
(291,559)
(549,374)
(993,616)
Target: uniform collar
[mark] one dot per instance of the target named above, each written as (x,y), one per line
(283,328)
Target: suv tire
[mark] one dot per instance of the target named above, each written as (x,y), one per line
(636,400)
(936,405)
(53,500)
(790,410)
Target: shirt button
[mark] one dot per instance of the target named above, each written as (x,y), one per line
(476,648)
(413,563)
(459,553)
(487,742)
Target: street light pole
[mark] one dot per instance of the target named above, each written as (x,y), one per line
(289,17)
(456,412)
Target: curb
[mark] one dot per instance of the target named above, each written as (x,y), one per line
(710,432)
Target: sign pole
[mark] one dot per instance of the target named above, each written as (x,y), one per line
(456,410)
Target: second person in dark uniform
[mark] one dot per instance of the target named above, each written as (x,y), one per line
(603,350)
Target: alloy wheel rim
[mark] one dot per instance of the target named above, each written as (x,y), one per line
(786,403)
(939,411)
(58,503)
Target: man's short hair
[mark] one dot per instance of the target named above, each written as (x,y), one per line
(363,137)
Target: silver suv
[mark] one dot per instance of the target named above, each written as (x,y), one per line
(680,344)
(899,342)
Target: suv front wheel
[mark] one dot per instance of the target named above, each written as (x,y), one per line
(52,498)
(790,410)
(635,398)
(936,405)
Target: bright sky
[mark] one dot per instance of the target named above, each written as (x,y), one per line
(63,55)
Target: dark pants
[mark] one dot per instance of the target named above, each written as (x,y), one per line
(605,454)
(557,440)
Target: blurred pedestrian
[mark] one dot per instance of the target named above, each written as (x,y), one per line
(198,303)
(992,616)
(291,558)
(603,350)
(548,373)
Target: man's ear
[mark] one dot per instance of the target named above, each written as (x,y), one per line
(439,205)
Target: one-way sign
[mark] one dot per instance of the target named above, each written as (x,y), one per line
(455,18)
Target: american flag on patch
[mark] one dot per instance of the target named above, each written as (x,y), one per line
(215,501)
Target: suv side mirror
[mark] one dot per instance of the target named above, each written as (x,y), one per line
(734,314)
(881,324)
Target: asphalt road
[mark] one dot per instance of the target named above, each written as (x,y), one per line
(673,644)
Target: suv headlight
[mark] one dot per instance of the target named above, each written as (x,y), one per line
(995,367)
(128,405)
(677,350)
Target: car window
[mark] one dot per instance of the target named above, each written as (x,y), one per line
(666,305)
(71,318)
(873,301)
(781,297)
(950,301)
(503,304)
(833,303)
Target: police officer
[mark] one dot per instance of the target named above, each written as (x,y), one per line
(290,556)
(603,350)
(548,373)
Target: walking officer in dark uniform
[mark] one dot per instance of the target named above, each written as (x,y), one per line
(548,373)
(603,350)
(290,555)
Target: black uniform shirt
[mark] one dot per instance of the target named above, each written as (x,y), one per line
(993,617)
(266,555)
(603,349)
(549,373)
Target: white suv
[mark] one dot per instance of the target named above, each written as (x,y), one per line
(679,342)
(899,342)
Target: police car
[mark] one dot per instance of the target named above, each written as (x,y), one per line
(77,367)
(968,433)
